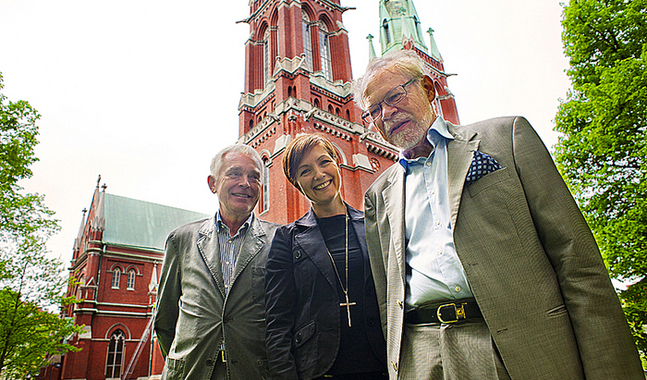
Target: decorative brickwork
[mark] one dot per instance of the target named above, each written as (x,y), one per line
(305,94)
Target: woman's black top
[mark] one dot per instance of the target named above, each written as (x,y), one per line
(355,354)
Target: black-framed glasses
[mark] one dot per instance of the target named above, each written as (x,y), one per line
(394,97)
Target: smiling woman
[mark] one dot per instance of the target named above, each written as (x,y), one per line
(320,306)
(310,164)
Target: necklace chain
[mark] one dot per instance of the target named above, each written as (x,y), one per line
(345,289)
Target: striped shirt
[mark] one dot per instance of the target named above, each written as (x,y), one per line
(230,247)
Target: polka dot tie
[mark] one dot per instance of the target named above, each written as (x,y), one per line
(482,164)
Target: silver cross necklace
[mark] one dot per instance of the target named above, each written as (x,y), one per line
(345,289)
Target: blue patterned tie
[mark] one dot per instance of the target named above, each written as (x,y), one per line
(482,164)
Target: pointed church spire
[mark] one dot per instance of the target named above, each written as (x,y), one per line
(433,48)
(399,25)
(79,236)
(152,286)
(99,221)
(371,49)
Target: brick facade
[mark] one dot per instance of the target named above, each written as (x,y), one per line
(303,46)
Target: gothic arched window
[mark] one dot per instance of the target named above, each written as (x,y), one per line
(130,284)
(265,188)
(115,359)
(324,51)
(116,277)
(307,40)
(387,36)
(267,64)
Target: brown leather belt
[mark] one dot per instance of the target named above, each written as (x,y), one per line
(451,312)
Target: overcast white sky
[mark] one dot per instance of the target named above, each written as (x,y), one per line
(146,92)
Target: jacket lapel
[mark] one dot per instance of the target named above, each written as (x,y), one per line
(459,157)
(312,242)
(210,251)
(393,195)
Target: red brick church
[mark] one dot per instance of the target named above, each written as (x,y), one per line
(298,75)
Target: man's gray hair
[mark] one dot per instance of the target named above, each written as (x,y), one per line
(216,161)
(407,62)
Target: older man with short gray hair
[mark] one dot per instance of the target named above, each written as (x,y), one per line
(210,319)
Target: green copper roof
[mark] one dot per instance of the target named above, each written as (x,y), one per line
(135,223)
(398,20)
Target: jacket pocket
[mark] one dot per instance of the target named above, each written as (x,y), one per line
(303,334)
(258,284)
(488,180)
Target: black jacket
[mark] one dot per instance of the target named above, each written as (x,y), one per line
(302,303)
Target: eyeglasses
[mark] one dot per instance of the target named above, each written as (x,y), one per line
(394,97)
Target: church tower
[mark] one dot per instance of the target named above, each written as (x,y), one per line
(400,28)
(297,80)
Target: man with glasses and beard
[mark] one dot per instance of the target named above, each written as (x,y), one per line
(483,264)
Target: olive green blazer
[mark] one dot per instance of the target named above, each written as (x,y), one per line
(194,314)
(529,256)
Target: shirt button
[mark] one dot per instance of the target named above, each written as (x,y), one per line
(428,163)
(458,289)
(229,241)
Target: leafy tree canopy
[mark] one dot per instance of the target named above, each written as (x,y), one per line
(603,145)
(30,283)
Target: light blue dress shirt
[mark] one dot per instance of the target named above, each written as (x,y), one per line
(434,270)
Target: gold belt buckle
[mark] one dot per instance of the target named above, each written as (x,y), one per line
(459,312)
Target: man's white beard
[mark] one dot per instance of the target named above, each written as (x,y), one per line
(406,139)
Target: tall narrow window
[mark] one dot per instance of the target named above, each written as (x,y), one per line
(130,284)
(387,36)
(439,107)
(116,276)
(266,185)
(307,40)
(324,49)
(115,357)
(267,64)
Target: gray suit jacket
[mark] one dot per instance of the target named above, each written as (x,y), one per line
(529,256)
(193,314)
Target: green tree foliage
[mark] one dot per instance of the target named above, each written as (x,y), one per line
(30,283)
(603,145)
